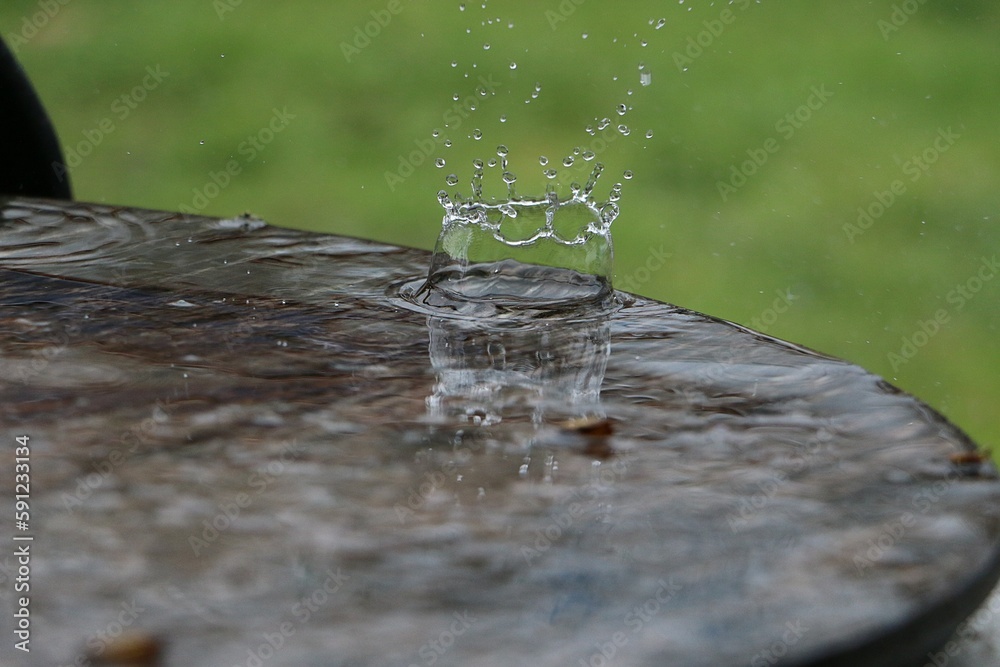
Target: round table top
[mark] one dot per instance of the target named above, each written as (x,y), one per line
(245,445)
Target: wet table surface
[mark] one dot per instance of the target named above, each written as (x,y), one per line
(243,445)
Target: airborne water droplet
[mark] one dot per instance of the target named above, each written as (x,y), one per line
(649,134)
(513,65)
(451,180)
(645,76)
(550,173)
(621,109)
(627,175)
(542,160)
(477,134)
(486,47)
(623,130)
(568,161)
(502,150)
(439,162)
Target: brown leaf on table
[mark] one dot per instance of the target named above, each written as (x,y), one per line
(596,431)
(596,426)
(133,648)
(966,458)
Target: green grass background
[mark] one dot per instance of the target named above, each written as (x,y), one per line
(783,231)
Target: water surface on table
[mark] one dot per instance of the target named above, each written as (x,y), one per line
(242,430)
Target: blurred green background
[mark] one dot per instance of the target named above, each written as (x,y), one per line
(359,87)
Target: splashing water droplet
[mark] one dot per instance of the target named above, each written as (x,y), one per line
(542,160)
(621,109)
(649,134)
(568,161)
(661,23)
(492,162)
(623,130)
(451,180)
(627,175)
(592,181)
(550,173)
(503,118)
(447,143)
(486,47)
(645,76)
(477,134)
(589,155)
(513,65)
(439,162)
(502,150)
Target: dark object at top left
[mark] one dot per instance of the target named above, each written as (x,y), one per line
(31,162)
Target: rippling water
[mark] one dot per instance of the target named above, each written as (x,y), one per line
(541,477)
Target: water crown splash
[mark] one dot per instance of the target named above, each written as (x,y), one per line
(513,253)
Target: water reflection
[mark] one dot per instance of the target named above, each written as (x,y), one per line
(533,370)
